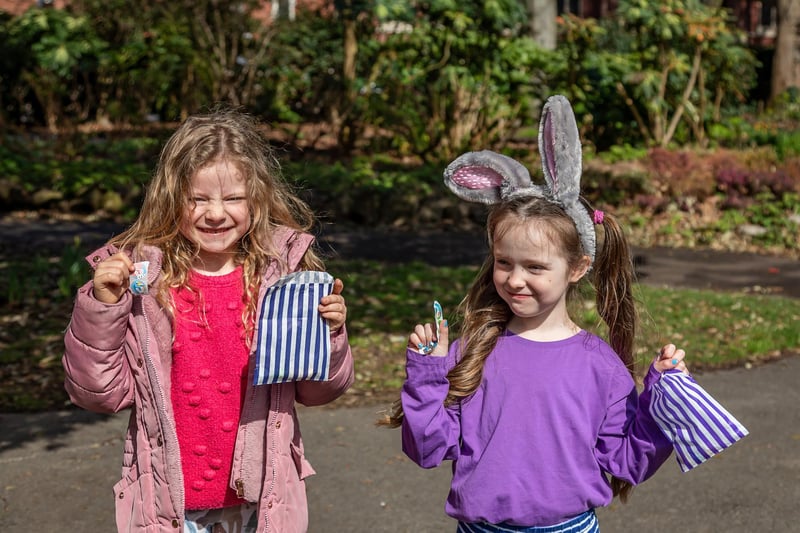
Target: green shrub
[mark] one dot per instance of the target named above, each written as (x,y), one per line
(84,173)
(44,277)
(464,77)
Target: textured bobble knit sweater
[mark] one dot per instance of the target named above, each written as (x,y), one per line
(209,370)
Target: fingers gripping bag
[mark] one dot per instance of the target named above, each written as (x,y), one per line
(293,341)
(696,424)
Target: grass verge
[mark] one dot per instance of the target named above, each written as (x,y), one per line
(717,329)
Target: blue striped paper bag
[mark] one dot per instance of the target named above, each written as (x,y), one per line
(293,341)
(696,424)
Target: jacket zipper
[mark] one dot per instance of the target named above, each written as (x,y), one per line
(275,395)
(239,481)
(271,444)
(162,411)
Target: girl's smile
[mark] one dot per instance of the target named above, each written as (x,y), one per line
(217,216)
(214,231)
(533,279)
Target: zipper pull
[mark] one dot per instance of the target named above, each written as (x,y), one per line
(239,488)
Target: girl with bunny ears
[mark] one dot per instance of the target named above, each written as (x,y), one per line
(542,420)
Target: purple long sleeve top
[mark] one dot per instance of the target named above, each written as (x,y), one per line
(535,443)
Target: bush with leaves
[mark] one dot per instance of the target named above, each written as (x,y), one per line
(586,69)
(690,62)
(176,58)
(126,60)
(302,71)
(655,73)
(151,64)
(53,59)
(457,78)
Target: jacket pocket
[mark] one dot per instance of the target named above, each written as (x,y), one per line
(134,497)
(304,468)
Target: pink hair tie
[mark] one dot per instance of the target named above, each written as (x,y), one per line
(598,216)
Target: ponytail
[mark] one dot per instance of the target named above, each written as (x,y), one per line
(613,281)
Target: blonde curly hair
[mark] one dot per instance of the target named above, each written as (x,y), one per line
(229,135)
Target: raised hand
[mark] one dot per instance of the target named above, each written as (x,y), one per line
(112,278)
(431,339)
(671,357)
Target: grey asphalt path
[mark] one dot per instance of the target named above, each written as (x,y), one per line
(657,266)
(57,469)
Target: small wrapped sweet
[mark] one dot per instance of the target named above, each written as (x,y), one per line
(138,280)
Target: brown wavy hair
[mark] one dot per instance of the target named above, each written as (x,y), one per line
(233,136)
(484,315)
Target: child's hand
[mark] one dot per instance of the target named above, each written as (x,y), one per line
(423,339)
(670,357)
(112,278)
(332,307)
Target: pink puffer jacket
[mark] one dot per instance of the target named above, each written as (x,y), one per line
(119,356)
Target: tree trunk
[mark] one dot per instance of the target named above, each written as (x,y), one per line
(786,63)
(341,113)
(542,22)
(350,51)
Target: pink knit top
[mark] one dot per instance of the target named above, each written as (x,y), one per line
(209,369)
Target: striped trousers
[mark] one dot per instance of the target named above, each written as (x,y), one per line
(583,523)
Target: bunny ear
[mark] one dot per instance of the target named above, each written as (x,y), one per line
(560,149)
(486,176)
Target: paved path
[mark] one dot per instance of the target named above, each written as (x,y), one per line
(57,469)
(656,266)
(669,267)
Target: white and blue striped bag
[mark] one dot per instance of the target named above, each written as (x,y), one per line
(293,341)
(696,424)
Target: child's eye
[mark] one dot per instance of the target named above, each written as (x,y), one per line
(234,199)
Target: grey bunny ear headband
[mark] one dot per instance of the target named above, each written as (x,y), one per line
(490,178)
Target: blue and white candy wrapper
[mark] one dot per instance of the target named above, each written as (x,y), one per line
(293,341)
(138,280)
(696,424)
